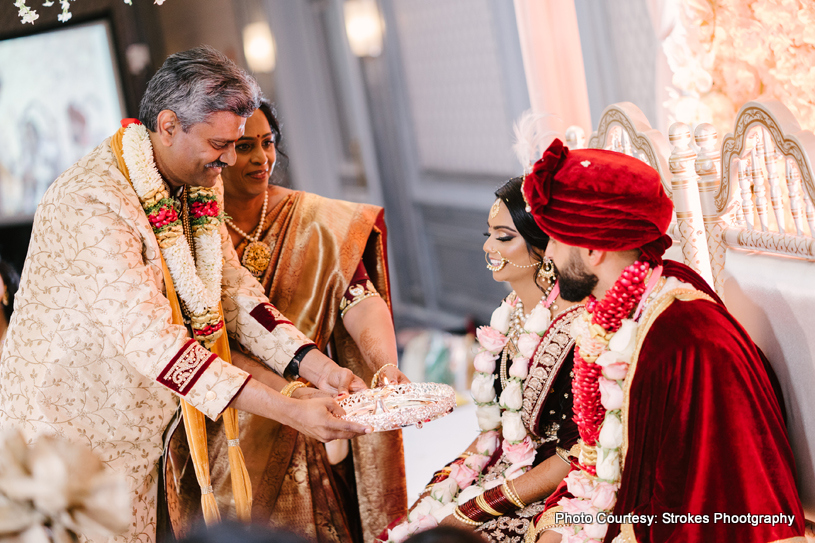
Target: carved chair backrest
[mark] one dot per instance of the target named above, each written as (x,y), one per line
(768,154)
(759,221)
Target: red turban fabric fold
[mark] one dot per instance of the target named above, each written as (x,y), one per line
(599,200)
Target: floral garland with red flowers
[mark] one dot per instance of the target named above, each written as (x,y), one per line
(605,338)
(197,280)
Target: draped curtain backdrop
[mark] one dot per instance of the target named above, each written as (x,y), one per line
(553,62)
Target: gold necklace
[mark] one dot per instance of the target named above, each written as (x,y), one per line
(517,322)
(257,254)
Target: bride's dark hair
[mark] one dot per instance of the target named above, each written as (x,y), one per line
(535,238)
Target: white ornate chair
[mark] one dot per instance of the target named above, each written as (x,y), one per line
(762,250)
(745,220)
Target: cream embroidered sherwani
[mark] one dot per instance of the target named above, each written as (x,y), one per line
(91,353)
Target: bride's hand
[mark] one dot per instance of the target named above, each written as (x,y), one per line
(452,521)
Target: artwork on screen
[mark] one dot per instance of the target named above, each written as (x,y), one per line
(59,98)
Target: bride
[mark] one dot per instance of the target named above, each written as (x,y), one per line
(522,389)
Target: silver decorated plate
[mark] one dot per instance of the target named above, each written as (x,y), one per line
(396,406)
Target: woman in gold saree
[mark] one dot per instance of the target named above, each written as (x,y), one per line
(323,264)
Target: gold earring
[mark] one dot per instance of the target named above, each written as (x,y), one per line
(5,297)
(547,273)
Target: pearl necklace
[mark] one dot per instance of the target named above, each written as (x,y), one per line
(256,235)
(257,255)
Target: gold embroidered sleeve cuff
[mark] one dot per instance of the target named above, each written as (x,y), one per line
(205,381)
(355,294)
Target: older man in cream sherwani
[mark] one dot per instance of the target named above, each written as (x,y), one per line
(92,353)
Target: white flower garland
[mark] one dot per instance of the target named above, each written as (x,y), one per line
(599,494)
(198,283)
(464,481)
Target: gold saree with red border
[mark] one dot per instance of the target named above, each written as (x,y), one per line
(317,244)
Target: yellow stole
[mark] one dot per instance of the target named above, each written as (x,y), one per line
(194,420)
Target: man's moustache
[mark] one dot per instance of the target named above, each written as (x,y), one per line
(217,164)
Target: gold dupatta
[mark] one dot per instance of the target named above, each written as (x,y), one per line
(194,420)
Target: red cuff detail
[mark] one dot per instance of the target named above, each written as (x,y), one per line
(358,285)
(186,367)
(267,316)
(360,274)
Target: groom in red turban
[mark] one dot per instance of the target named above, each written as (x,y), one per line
(682,433)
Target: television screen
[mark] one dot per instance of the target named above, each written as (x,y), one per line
(59,98)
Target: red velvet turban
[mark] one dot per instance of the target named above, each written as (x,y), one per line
(599,200)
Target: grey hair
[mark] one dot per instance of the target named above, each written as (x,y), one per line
(196,83)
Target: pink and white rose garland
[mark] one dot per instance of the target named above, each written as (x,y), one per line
(504,414)
(605,342)
(197,281)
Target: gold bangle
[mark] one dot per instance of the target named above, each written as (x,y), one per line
(289,389)
(481,502)
(461,517)
(515,493)
(512,495)
(378,372)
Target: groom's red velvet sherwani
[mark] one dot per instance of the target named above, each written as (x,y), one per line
(704,430)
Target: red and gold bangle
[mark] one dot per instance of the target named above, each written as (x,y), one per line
(461,517)
(498,501)
(481,502)
(439,476)
(473,511)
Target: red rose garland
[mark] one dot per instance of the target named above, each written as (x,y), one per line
(606,318)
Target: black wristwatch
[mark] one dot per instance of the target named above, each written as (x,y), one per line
(292,370)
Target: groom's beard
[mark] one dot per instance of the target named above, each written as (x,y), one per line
(576,282)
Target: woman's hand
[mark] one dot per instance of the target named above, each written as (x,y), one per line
(392,374)
(315,417)
(327,376)
(319,418)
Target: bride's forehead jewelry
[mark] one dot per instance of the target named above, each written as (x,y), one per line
(495,208)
